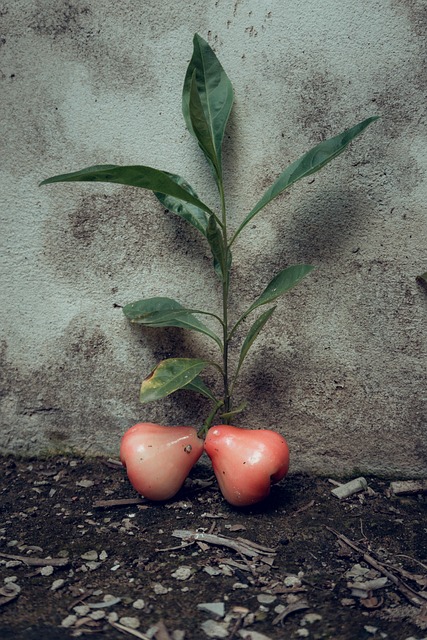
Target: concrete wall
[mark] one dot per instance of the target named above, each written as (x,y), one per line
(341,370)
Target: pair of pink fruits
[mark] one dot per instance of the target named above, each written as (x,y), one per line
(245,462)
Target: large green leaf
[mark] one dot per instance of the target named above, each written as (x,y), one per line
(134,176)
(214,90)
(202,131)
(309,163)
(281,283)
(166,312)
(197,217)
(198,386)
(252,335)
(169,376)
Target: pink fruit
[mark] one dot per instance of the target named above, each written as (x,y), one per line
(158,458)
(246,462)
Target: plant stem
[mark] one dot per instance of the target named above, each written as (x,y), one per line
(225,289)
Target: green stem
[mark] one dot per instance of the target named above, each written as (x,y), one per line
(203,430)
(225,289)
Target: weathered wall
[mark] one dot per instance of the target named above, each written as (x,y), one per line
(341,370)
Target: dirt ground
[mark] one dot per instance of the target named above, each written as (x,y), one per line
(75,561)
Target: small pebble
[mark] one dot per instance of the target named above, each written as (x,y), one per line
(69,621)
(46,571)
(90,555)
(264,598)
(216,609)
(103,555)
(81,609)
(309,618)
(240,585)
(252,635)
(214,629)
(302,633)
(159,589)
(10,579)
(212,571)
(182,573)
(85,483)
(292,581)
(139,604)
(132,623)
(57,584)
(112,617)
(97,615)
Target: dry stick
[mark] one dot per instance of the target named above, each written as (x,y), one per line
(132,632)
(125,502)
(291,608)
(410,594)
(37,562)
(245,548)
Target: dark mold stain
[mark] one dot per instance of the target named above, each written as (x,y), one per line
(110,236)
(59,19)
(88,345)
(87,34)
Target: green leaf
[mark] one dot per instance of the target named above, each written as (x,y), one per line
(222,258)
(134,176)
(252,335)
(281,283)
(198,386)
(201,130)
(309,163)
(214,90)
(166,312)
(169,376)
(197,217)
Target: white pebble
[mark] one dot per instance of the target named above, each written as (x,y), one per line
(112,617)
(90,555)
(252,635)
(182,573)
(97,615)
(69,621)
(159,589)
(292,581)
(81,609)
(46,571)
(10,579)
(103,555)
(139,604)
(215,629)
(309,618)
(264,598)
(214,608)
(132,623)
(57,584)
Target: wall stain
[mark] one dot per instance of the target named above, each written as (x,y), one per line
(85,34)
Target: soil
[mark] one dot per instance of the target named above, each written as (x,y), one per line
(73,565)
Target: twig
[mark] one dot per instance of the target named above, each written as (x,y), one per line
(291,608)
(132,632)
(406,590)
(409,487)
(246,548)
(303,508)
(402,555)
(125,502)
(37,562)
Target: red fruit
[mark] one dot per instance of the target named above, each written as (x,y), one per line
(246,462)
(158,458)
